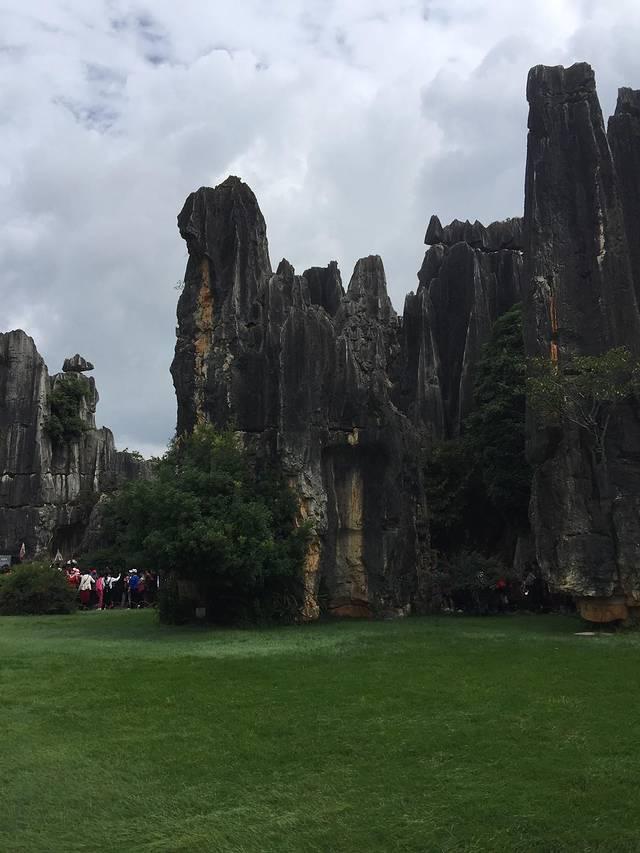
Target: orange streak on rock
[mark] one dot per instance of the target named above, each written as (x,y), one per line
(202,342)
(553,316)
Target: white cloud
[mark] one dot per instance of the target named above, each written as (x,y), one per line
(352,121)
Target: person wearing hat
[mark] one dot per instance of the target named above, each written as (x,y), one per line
(134,580)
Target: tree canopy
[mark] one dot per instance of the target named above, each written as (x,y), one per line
(217,525)
(584,390)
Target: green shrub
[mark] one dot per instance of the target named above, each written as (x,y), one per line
(64,424)
(218,526)
(35,588)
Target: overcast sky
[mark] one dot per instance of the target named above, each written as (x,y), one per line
(352,120)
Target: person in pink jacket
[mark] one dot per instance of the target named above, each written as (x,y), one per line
(100,591)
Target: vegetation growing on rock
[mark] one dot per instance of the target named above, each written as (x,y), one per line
(65,423)
(584,391)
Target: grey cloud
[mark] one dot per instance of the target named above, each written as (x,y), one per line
(94,116)
(117,111)
(479,172)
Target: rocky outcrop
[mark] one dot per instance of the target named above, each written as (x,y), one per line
(325,287)
(76,364)
(334,385)
(48,487)
(580,224)
(624,139)
(470,276)
(506,234)
(346,395)
(303,372)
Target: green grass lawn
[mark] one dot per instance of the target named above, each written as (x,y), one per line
(435,734)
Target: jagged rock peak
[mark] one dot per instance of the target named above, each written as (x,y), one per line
(506,234)
(579,269)
(226,238)
(76,364)
(557,84)
(550,88)
(209,214)
(368,286)
(325,286)
(628,102)
(286,270)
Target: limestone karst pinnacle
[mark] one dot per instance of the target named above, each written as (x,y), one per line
(48,487)
(346,395)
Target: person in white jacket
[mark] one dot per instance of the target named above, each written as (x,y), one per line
(111,599)
(86,585)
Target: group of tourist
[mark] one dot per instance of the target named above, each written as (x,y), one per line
(105,590)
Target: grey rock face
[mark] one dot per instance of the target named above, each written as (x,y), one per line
(345,394)
(228,260)
(304,370)
(579,275)
(334,385)
(47,490)
(325,287)
(581,210)
(463,288)
(624,139)
(76,364)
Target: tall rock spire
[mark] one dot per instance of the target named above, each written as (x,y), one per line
(303,371)
(226,237)
(578,277)
(624,138)
(581,299)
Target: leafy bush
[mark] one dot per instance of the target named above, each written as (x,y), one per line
(584,390)
(35,588)
(218,527)
(64,424)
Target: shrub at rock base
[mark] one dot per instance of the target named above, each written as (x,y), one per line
(35,588)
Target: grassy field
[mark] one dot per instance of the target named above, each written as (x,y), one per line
(441,734)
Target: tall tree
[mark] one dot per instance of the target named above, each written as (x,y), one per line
(220,531)
(495,429)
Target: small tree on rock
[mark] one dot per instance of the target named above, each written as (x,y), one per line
(584,391)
